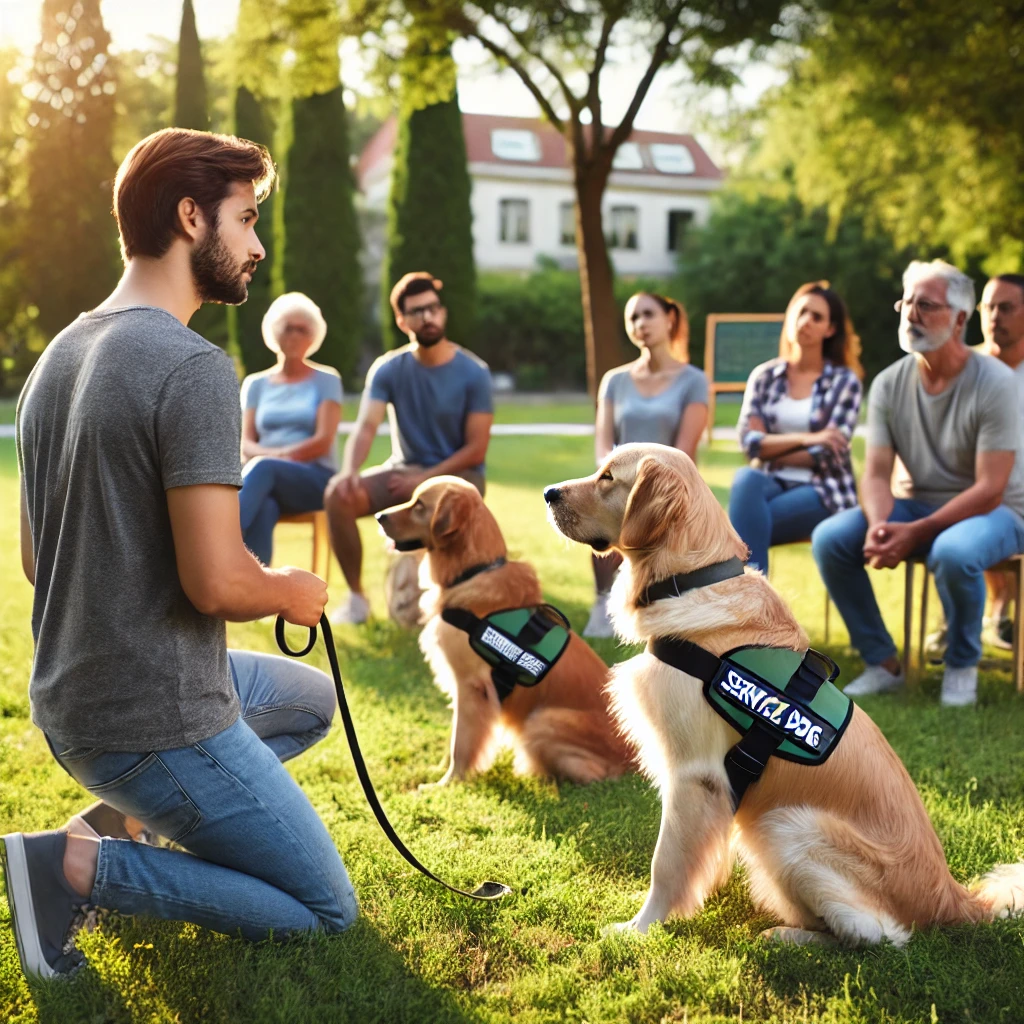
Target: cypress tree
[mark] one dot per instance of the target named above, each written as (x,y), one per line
(430,223)
(252,121)
(190,89)
(321,234)
(70,241)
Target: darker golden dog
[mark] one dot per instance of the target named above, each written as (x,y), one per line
(562,727)
(844,850)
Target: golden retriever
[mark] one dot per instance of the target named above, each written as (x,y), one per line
(562,727)
(841,851)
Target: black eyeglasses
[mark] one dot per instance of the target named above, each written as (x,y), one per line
(421,311)
(1000,308)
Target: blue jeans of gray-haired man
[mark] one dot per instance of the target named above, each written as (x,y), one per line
(260,861)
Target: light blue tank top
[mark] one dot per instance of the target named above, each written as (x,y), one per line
(656,419)
(286,413)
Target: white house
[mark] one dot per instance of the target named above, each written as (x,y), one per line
(522,196)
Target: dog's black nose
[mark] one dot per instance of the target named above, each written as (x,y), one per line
(552,495)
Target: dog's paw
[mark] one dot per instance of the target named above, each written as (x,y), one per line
(633,927)
(799,936)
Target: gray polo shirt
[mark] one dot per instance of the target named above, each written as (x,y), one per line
(938,436)
(121,406)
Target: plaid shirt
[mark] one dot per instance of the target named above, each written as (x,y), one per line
(835,402)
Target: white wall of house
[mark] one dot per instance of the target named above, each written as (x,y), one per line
(545,200)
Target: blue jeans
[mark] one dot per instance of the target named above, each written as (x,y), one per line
(957,559)
(260,861)
(766,510)
(275,487)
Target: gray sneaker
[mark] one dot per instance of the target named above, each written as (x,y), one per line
(959,686)
(874,679)
(43,905)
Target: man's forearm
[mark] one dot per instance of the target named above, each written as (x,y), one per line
(245,590)
(979,499)
(468,457)
(357,448)
(876,500)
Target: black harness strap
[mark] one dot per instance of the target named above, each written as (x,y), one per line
(746,760)
(676,586)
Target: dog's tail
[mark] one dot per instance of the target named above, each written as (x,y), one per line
(1002,890)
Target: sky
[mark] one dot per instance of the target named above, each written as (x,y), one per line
(132,22)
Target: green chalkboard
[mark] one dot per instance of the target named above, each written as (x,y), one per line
(740,345)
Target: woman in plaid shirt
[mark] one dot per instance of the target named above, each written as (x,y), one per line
(799,413)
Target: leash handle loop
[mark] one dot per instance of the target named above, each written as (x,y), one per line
(486,891)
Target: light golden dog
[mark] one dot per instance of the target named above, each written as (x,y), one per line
(562,727)
(843,850)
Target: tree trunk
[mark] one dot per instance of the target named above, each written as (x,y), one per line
(600,326)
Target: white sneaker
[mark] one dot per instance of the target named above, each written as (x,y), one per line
(995,633)
(959,686)
(354,612)
(874,679)
(599,625)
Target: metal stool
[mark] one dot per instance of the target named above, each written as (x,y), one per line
(1012,565)
(321,541)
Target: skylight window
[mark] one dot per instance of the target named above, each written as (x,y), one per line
(515,144)
(671,158)
(628,158)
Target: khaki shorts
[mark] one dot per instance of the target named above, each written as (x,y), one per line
(376,481)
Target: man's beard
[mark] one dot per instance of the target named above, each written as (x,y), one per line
(917,339)
(427,340)
(216,275)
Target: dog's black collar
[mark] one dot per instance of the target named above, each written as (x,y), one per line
(475,570)
(409,545)
(676,586)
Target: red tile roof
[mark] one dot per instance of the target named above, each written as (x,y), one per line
(478,127)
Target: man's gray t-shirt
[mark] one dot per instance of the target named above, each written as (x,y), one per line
(938,436)
(428,405)
(121,406)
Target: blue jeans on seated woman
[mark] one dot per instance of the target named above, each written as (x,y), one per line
(766,510)
(260,861)
(272,488)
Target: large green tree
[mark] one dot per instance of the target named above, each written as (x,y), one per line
(560,50)
(321,233)
(430,223)
(69,244)
(190,110)
(910,115)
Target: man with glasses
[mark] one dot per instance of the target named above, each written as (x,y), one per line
(951,417)
(1002,324)
(438,398)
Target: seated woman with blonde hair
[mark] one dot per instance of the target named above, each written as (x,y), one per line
(799,413)
(290,417)
(659,398)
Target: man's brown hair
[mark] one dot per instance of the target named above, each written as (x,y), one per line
(416,283)
(178,163)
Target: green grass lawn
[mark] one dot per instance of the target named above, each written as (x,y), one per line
(577,858)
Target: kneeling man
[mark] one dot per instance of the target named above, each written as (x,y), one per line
(951,417)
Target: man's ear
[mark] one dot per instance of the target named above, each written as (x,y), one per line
(451,512)
(190,218)
(655,504)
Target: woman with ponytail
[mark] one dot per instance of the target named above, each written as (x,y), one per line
(659,397)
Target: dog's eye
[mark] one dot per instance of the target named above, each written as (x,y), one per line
(606,475)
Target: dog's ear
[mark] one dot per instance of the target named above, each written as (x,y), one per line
(452,511)
(656,503)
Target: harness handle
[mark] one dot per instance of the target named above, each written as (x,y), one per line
(487,890)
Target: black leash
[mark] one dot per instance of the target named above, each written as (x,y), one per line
(486,891)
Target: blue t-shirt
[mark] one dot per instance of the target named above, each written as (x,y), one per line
(428,405)
(286,413)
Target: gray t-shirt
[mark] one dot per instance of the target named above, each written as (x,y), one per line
(121,406)
(428,405)
(938,436)
(653,419)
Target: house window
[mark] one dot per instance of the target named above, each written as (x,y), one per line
(672,158)
(678,222)
(515,144)
(514,220)
(567,224)
(624,227)
(628,158)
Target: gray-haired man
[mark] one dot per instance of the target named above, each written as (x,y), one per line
(951,416)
